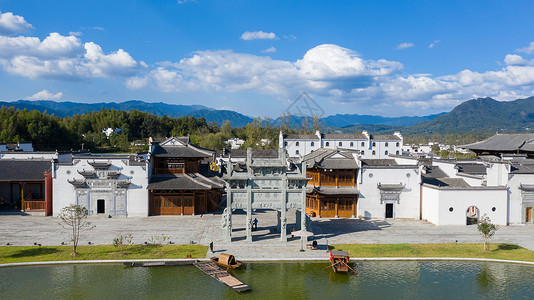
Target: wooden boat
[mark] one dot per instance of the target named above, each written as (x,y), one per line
(226,261)
(339,262)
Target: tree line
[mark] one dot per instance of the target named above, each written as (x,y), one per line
(85,131)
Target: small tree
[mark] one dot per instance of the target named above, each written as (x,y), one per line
(74,218)
(121,242)
(486,228)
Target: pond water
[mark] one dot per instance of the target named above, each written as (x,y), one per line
(375,280)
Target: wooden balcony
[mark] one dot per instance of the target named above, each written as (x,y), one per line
(34,205)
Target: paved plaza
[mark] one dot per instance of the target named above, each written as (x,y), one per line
(203,229)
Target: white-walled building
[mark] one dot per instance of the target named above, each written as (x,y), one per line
(451,200)
(234,143)
(110,131)
(518,177)
(60,156)
(388,189)
(107,185)
(369,146)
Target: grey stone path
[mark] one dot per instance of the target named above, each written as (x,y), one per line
(27,230)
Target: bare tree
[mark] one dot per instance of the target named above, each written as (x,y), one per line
(74,218)
(486,228)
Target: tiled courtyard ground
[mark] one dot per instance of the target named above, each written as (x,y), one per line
(27,230)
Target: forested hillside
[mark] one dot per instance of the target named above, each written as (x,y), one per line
(482,115)
(49,132)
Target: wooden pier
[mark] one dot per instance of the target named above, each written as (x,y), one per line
(222,276)
(161,263)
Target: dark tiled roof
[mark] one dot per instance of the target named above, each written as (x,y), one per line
(504,142)
(435,176)
(378,162)
(333,190)
(391,186)
(242,153)
(344,136)
(301,137)
(522,168)
(471,169)
(28,170)
(446,182)
(527,187)
(179,151)
(434,172)
(338,163)
(323,158)
(182,182)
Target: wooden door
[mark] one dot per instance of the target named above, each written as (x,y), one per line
(528,215)
(188,205)
(328,208)
(166,205)
(344,208)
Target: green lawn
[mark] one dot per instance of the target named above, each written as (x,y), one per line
(13,254)
(497,251)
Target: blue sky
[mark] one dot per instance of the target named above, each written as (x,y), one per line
(389,58)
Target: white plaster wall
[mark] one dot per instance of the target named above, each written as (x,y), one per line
(516,214)
(497,174)
(63,193)
(29,155)
(447,167)
(461,200)
(137,193)
(304,147)
(369,204)
(430,204)
(406,160)
(471,180)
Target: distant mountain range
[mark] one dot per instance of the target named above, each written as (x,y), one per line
(482,115)
(352,119)
(476,115)
(63,109)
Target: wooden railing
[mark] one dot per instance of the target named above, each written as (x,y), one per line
(38,205)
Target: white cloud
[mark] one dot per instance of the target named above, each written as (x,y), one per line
(514,59)
(102,65)
(55,45)
(322,68)
(258,35)
(329,62)
(269,50)
(405,45)
(63,57)
(75,33)
(340,75)
(528,50)
(433,44)
(94,28)
(45,95)
(13,24)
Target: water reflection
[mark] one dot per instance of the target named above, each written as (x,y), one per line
(375,280)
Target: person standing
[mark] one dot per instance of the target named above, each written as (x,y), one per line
(255,224)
